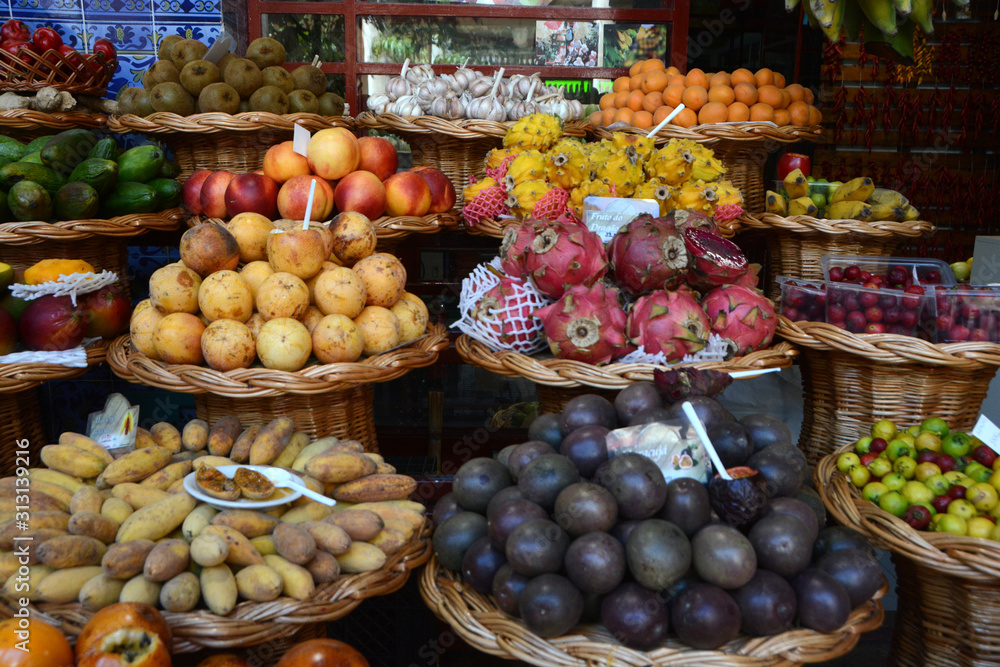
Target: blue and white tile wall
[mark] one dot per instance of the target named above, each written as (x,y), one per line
(134,26)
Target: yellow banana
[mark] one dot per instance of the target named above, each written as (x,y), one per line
(910,213)
(796,184)
(832,32)
(882,14)
(903,7)
(922,15)
(888,197)
(802,206)
(790,5)
(823,11)
(856,189)
(776,203)
(849,210)
(882,212)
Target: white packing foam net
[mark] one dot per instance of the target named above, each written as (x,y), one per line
(715,350)
(73,285)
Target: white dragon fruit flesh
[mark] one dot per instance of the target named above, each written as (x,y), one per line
(667,321)
(742,316)
(647,254)
(564,255)
(586,324)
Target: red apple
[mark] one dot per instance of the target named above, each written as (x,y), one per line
(360,192)
(442,189)
(8,332)
(52,323)
(983,454)
(918,516)
(191,192)
(940,503)
(406,193)
(252,193)
(378,156)
(213,194)
(294,195)
(108,311)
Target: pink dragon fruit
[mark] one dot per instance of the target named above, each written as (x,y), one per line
(507,315)
(516,238)
(670,322)
(551,205)
(684,219)
(490,203)
(713,260)
(742,316)
(586,324)
(563,255)
(647,254)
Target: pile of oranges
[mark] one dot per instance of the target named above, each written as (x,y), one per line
(651,91)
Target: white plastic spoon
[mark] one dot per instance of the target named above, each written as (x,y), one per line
(699,428)
(286,480)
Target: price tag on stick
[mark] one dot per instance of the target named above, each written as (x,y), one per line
(988,432)
(218,49)
(300,139)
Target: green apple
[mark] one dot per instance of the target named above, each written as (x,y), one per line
(995,533)
(893,502)
(962,271)
(962,508)
(894,481)
(915,492)
(907,438)
(978,471)
(913,430)
(949,523)
(935,425)
(956,444)
(863,445)
(982,496)
(899,447)
(884,429)
(873,491)
(938,484)
(847,460)
(859,476)
(905,466)
(880,467)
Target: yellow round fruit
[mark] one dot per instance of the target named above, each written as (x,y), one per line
(311,282)
(337,339)
(224,295)
(380,328)
(254,324)
(174,289)
(311,318)
(284,344)
(143,324)
(250,231)
(227,345)
(412,319)
(340,291)
(979,527)
(384,277)
(353,237)
(177,339)
(282,295)
(255,273)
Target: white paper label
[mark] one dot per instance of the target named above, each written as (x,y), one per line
(988,432)
(606,215)
(114,427)
(217,50)
(300,140)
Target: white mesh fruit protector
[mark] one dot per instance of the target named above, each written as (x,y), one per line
(73,285)
(521,332)
(715,350)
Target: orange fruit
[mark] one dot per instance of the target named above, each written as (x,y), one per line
(722,94)
(608,116)
(607,101)
(809,97)
(720,79)
(738,113)
(620,98)
(799,113)
(620,84)
(652,102)
(742,75)
(713,112)
(686,118)
(796,92)
(696,77)
(779,79)
(46,646)
(654,81)
(642,119)
(635,83)
(782,117)
(661,113)
(595,118)
(634,69)
(786,99)
(763,77)
(815,115)
(672,95)
(624,115)
(769,94)
(746,93)
(634,100)
(672,71)
(761,112)
(651,65)
(677,80)
(695,97)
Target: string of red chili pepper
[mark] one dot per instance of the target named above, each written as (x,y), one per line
(995,113)
(968,111)
(889,97)
(842,170)
(840,112)
(951,99)
(945,193)
(977,125)
(949,57)
(833,56)
(932,106)
(860,113)
(914,111)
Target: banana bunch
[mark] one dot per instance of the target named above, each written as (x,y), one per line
(857,199)
(890,17)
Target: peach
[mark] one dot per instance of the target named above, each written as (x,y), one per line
(177,339)
(337,339)
(251,231)
(284,344)
(213,194)
(225,295)
(380,329)
(228,345)
(333,153)
(361,192)
(294,195)
(300,252)
(442,189)
(281,163)
(209,247)
(384,277)
(252,193)
(354,237)
(191,192)
(378,156)
(406,193)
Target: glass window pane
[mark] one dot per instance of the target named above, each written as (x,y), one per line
(307,35)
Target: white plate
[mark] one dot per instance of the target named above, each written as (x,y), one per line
(191,486)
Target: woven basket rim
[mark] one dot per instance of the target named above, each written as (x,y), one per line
(21,377)
(257,382)
(162,122)
(465,129)
(749,133)
(497,228)
(477,620)
(804,224)
(61,73)
(387,227)
(30,119)
(966,557)
(564,373)
(253,623)
(124,226)
(889,348)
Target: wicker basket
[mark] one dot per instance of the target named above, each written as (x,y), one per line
(497,228)
(742,147)
(388,229)
(850,381)
(796,244)
(343,414)
(950,604)
(33,71)
(457,148)
(20,419)
(16,378)
(222,141)
(65,231)
(477,620)
(255,623)
(28,122)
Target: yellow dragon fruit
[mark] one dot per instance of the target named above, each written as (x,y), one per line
(672,164)
(496,156)
(473,189)
(622,171)
(644,145)
(728,194)
(589,188)
(528,165)
(706,167)
(537,130)
(656,189)
(567,165)
(697,196)
(525,195)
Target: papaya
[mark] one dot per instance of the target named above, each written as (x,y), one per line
(168,190)
(67,149)
(99,173)
(33,158)
(105,149)
(170,170)
(140,164)
(48,270)
(29,201)
(11,149)
(25,171)
(38,144)
(75,201)
(128,198)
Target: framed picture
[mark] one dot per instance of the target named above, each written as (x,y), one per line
(571,43)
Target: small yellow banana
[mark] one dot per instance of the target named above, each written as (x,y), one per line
(776,203)
(882,14)
(802,206)
(796,184)
(882,212)
(832,31)
(790,5)
(922,15)
(849,210)
(856,189)
(910,213)
(903,7)
(887,197)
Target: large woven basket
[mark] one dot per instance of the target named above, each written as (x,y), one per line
(65,231)
(16,378)
(345,414)
(795,244)
(20,419)
(949,592)
(850,381)
(387,229)
(497,228)
(21,123)
(222,141)
(255,623)
(477,620)
(28,71)
(742,147)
